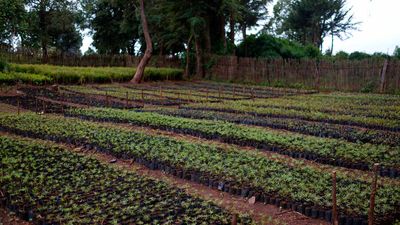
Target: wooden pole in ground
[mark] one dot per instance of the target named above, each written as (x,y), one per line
(127,99)
(18,104)
(383,76)
(107,101)
(373,193)
(207,94)
(234,93)
(252,94)
(334,204)
(142,97)
(219,92)
(234,219)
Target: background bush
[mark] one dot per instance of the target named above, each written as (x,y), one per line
(267,46)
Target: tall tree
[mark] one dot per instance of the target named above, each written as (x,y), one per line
(149,47)
(252,11)
(114,25)
(310,21)
(12,21)
(396,52)
(54,23)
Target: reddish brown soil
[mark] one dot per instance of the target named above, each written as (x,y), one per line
(10,109)
(7,218)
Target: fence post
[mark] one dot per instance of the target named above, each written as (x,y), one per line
(234,219)
(317,75)
(219,92)
(373,193)
(142,97)
(36,105)
(383,76)
(127,98)
(107,101)
(44,106)
(334,204)
(18,104)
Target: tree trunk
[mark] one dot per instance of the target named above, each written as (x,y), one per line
(43,30)
(199,59)
(244,32)
(188,56)
(149,47)
(222,31)
(232,29)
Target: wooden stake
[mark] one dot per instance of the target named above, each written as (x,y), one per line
(18,105)
(127,99)
(44,106)
(234,92)
(219,92)
(142,97)
(383,76)
(161,94)
(107,101)
(207,94)
(234,219)
(334,203)
(36,106)
(373,193)
(252,93)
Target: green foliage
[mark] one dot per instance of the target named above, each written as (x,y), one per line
(342,55)
(370,87)
(69,182)
(3,65)
(359,55)
(11,78)
(286,140)
(310,21)
(294,180)
(78,75)
(267,46)
(115,26)
(12,21)
(396,52)
(322,107)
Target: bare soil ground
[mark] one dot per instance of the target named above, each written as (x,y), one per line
(7,218)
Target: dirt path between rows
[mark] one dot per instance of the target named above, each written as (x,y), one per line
(261,213)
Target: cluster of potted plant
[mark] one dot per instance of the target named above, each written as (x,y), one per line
(235,171)
(328,151)
(391,123)
(349,133)
(50,185)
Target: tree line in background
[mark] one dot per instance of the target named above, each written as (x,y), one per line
(189,29)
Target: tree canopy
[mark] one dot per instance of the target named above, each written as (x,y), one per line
(310,21)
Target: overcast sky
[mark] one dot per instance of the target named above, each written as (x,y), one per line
(379,30)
